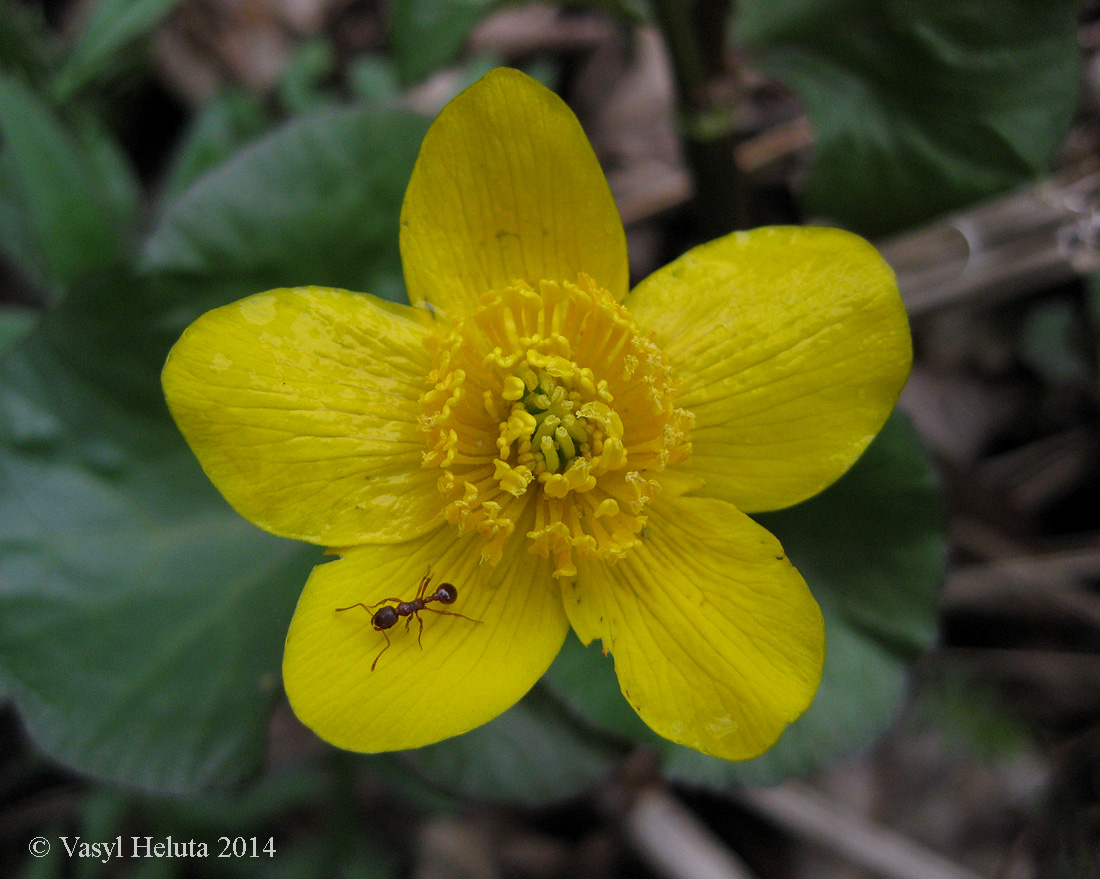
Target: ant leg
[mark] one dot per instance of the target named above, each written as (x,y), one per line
(380,652)
(420,622)
(424,581)
(357,604)
(451,613)
(370,608)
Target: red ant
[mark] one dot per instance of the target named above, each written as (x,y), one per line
(386,616)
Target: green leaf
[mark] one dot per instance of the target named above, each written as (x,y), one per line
(220,127)
(872,549)
(301,82)
(317,202)
(372,79)
(875,541)
(26,47)
(143,643)
(782,21)
(112,25)
(15,324)
(142,620)
(427,34)
(584,679)
(532,754)
(921,106)
(17,239)
(120,195)
(143,648)
(1050,342)
(68,198)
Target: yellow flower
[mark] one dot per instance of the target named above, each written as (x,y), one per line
(560,450)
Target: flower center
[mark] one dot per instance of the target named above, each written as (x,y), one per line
(551,397)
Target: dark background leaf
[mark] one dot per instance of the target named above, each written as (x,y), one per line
(921,106)
(218,129)
(317,202)
(111,26)
(141,638)
(426,34)
(533,754)
(68,199)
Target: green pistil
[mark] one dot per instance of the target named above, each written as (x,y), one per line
(565,442)
(547,422)
(558,431)
(549,455)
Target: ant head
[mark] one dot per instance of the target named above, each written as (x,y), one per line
(384,617)
(446,593)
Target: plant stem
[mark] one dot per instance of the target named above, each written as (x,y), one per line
(694,33)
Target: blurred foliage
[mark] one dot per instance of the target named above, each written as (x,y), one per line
(15,323)
(68,200)
(532,754)
(218,129)
(27,48)
(1053,341)
(920,106)
(110,26)
(426,34)
(316,202)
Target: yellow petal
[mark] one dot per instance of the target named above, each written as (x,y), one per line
(791,345)
(458,674)
(718,643)
(507,188)
(301,406)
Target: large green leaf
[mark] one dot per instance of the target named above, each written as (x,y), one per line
(534,754)
(921,106)
(143,647)
(871,547)
(220,127)
(67,199)
(141,621)
(317,202)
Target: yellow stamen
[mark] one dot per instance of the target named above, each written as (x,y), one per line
(552,397)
